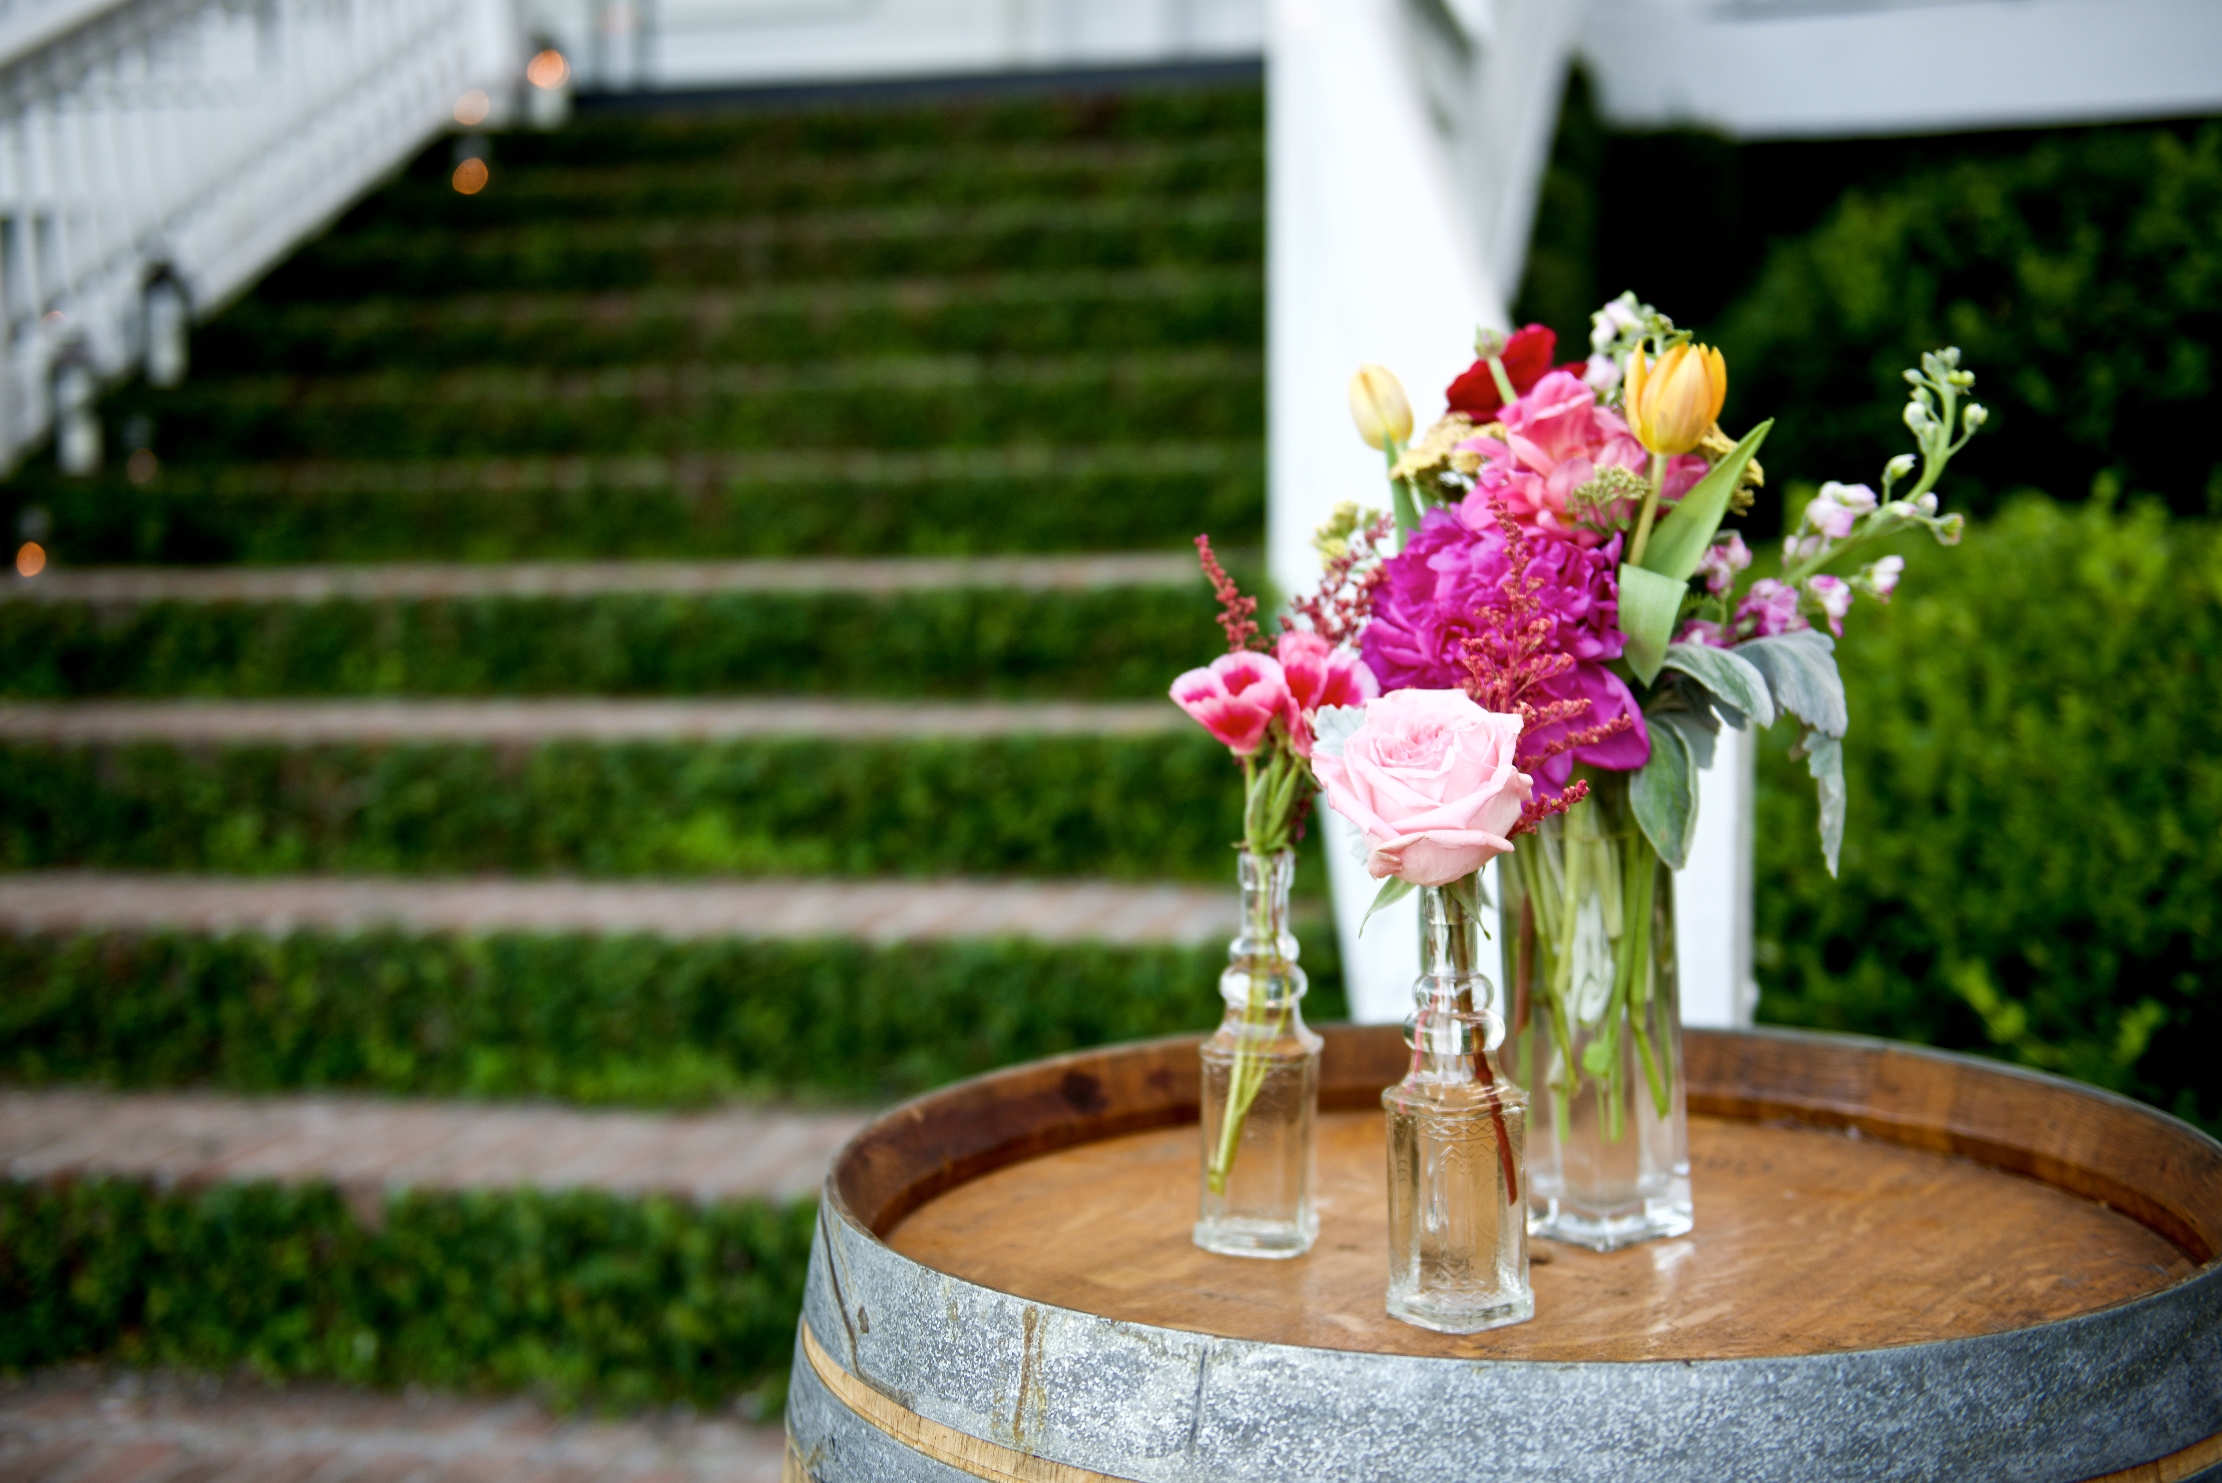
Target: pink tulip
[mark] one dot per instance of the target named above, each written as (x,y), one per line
(1430,778)
(1237,698)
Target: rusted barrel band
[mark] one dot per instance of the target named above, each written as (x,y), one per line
(944,1444)
(2173,1468)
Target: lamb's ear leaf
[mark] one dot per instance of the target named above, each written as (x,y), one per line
(1824,759)
(1802,677)
(1679,540)
(1393,890)
(1729,675)
(1649,604)
(1663,794)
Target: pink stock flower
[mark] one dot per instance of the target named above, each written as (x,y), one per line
(1837,508)
(1556,439)
(1770,608)
(1430,778)
(1455,565)
(1698,631)
(1834,594)
(1236,698)
(1319,674)
(1880,577)
(1722,560)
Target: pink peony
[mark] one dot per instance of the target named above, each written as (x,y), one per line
(1454,565)
(1236,698)
(1319,674)
(1834,594)
(1769,609)
(1556,439)
(1722,560)
(1430,778)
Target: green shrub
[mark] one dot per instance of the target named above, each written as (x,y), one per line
(1143,807)
(581,1295)
(1122,641)
(2033,855)
(629,1019)
(2082,278)
(1114,498)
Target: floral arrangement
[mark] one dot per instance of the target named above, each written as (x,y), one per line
(1562,566)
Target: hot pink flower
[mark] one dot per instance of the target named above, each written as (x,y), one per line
(1430,778)
(1319,674)
(1556,440)
(1237,698)
(1454,565)
(1770,608)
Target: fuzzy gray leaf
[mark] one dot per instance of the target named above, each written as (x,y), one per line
(1728,676)
(1801,675)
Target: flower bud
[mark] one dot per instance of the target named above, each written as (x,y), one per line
(1918,418)
(1898,468)
(1951,528)
(1671,403)
(1977,414)
(1927,504)
(1378,406)
(1833,595)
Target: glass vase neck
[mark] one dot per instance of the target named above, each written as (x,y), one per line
(1265,948)
(1454,1020)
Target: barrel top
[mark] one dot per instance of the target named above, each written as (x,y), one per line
(1851,1195)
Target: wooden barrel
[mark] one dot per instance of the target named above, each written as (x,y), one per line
(1907,1265)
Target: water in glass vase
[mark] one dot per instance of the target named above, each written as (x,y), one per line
(1458,1229)
(1260,1085)
(1589,947)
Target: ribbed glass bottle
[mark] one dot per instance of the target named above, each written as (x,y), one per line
(1458,1222)
(1260,1084)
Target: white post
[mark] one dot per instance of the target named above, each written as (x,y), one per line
(1712,894)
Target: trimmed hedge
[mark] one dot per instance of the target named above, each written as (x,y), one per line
(1006,314)
(1133,808)
(372,260)
(1093,643)
(640,1020)
(581,1295)
(1107,499)
(893,402)
(2033,854)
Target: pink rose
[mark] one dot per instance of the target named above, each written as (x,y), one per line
(1429,776)
(1557,439)
(1319,674)
(1236,699)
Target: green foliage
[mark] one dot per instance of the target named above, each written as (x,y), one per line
(632,1019)
(582,1295)
(1120,497)
(2033,859)
(1124,641)
(2082,279)
(1142,807)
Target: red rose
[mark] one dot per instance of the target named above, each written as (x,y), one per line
(1527,355)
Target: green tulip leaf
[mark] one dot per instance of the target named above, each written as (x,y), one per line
(1679,540)
(1649,604)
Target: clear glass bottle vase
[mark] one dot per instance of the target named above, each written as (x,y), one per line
(1260,1084)
(1597,1025)
(1457,1127)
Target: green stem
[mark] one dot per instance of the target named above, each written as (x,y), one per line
(1650,510)
(1505,393)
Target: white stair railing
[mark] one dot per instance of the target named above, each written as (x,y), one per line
(156,156)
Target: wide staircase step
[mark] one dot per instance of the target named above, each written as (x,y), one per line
(1115,913)
(76,1426)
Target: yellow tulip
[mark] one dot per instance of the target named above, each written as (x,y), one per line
(1672,403)
(1378,406)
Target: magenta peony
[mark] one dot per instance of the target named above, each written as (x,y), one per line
(1237,698)
(1319,674)
(1430,778)
(1454,565)
(1557,439)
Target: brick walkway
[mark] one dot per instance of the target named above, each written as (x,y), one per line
(869,576)
(525,722)
(370,1146)
(874,911)
(82,1427)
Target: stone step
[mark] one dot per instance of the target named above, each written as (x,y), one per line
(80,1426)
(869,576)
(527,722)
(878,912)
(371,1147)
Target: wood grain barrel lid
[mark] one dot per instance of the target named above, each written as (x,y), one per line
(1907,1264)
